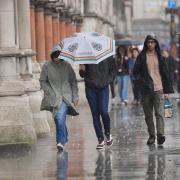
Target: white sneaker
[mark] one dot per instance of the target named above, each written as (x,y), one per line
(60,147)
(113,101)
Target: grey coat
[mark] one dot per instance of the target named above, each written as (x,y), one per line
(58,81)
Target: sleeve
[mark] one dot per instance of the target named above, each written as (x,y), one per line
(73,83)
(44,82)
(112,67)
(137,69)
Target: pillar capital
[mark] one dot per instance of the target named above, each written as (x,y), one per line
(65,15)
(79,20)
(49,5)
(40,5)
(60,5)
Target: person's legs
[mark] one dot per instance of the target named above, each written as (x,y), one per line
(60,121)
(137,95)
(147,104)
(125,82)
(158,107)
(103,101)
(91,95)
(133,89)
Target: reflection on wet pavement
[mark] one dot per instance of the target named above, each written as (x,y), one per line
(128,158)
(103,168)
(62,165)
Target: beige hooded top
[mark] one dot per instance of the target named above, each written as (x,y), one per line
(153,68)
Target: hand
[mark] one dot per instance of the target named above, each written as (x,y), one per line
(82,67)
(75,103)
(166,96)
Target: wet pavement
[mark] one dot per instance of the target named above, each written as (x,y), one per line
(128,158)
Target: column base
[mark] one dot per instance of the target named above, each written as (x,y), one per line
(16,125)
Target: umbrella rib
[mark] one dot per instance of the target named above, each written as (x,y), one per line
(86,40)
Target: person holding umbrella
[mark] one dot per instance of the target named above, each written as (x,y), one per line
(58,81)
(97,78)
(153,78)
(94,53)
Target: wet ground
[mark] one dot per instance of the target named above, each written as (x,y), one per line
(129,157)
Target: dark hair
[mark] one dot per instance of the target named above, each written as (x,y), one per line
(55,54)
(134,49)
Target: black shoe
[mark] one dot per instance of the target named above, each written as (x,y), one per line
(160,139)
(151,140)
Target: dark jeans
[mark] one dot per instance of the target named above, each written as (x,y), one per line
(98,100)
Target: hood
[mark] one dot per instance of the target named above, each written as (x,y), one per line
(152,37)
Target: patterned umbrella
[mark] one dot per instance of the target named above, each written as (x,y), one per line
(87,48)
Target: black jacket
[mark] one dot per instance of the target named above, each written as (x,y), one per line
(141,74)
(122,66)
(99,75)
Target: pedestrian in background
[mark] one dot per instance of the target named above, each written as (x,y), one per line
(122,60)
(135,89)
(97,78)
(171,64)
(151,73)
(58,81)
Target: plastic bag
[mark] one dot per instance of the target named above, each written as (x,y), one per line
(168,108)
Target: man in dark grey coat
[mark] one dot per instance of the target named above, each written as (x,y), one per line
(58,81)
(152,76)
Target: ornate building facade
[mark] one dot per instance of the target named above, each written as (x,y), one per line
(28,30)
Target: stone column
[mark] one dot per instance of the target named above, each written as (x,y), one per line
(32,87)
(92,20)
(33,33)
(48,32)
(91,6)
(62,32)
(128,16)
(55,25)
(68,27)
(79,21)
(63,28)
(73,27)
(40,32)
(16,123)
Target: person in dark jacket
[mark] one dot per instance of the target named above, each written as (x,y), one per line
(97,78)
(135,90)
(171,64)
(152,76)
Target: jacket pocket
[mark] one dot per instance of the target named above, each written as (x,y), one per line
(48,101)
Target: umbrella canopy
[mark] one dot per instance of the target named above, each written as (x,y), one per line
(127,42)
(87,48)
